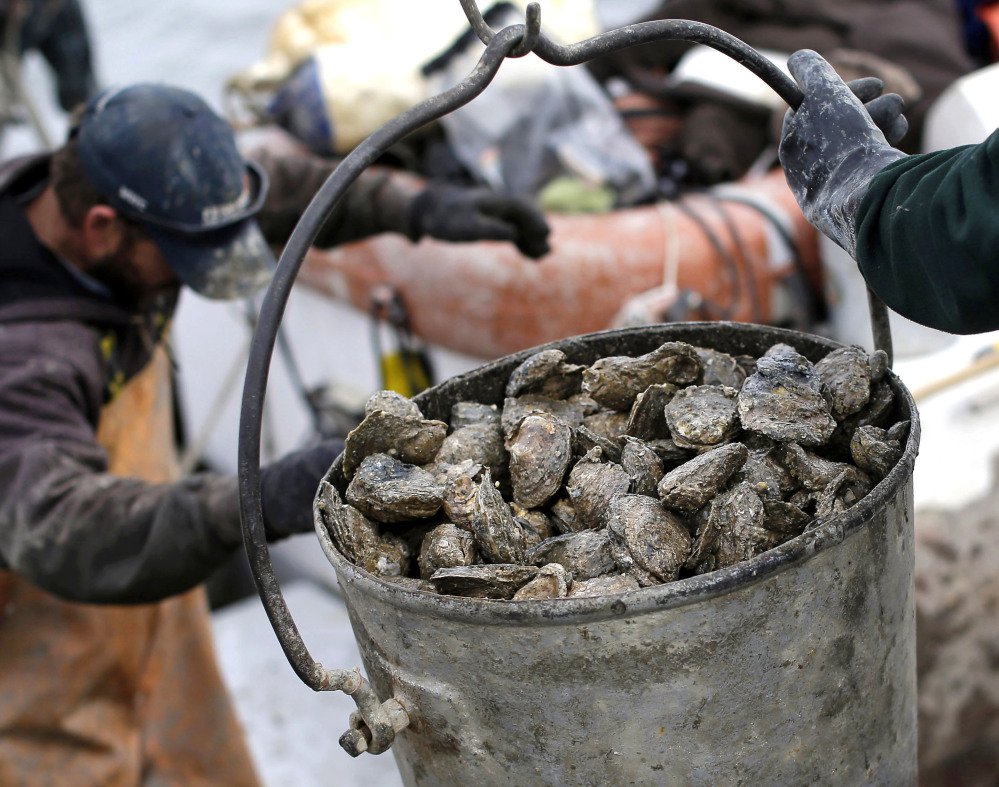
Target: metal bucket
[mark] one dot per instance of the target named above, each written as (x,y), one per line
(795,667)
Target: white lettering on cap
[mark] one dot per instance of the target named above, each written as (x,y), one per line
(214,214)
(133,199)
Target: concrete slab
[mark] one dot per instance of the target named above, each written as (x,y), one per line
(292,730)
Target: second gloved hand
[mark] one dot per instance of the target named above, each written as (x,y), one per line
(288,486)
(454,213)
(831,147)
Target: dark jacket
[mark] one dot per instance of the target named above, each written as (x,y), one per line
(928,237)
(65,523)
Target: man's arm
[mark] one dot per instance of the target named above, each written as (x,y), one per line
(79,532)
(922,228)
(383,200)
(928,237)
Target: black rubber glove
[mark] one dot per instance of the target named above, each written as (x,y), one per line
(833,145)
(288,486)
(454,213)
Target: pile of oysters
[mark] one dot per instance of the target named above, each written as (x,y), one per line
(600,479)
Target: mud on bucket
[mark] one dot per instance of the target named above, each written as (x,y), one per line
(796,666)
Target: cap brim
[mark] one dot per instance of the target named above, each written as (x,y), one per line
(232,262)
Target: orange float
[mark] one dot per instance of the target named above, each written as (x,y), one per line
(734,247)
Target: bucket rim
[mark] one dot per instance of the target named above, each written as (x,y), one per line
(670,595)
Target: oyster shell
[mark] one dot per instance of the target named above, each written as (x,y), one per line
(535,525)
(874,451)
(592,485)
(643,466)
(495,581)
(515,409)
(552,581)
(387,490)
(467,413)
(394,403)
(606,585)
(691,485)
(721,368)
(446,546)
(359,539)
(546,373)
(540,449)
(784,399)
(657,539)
(410,439)
(616,381)
(703,415)
(647,419)
(741,517)
(585,554)
(847,375)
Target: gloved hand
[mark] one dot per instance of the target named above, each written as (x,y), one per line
(832,146)
(455,213)
(288,485)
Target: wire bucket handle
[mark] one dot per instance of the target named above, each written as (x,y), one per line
(374,726)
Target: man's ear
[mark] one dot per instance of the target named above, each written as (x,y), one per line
(101,232)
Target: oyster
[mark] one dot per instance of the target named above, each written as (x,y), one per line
(784,399)
(647,419)
(394,403)
(480,442)
(585,554)
(585,440)
(446,546)
(691,485)
(514,410)
(643,466)
(591,485)
(605,585)
(495,581)
(721,368)
(656,538)
(410,439)
(552,581)
(847,375)
(609,424)
(874,451)
(546,373)
(740,517)
(703,415)
(540,449)
(615,382)
(468,413)
(359,539)
(497,535)
(388,490)
(535,525)
(563,516)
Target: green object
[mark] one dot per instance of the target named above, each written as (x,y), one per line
(927,235)
(575,195)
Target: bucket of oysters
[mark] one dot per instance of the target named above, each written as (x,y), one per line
(611,462)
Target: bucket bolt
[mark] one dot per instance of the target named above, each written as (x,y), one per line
(389,718)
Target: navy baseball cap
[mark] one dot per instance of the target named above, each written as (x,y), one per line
(160,156)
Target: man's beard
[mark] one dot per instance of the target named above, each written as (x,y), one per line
(118,273)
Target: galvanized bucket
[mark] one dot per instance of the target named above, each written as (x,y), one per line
(795,667)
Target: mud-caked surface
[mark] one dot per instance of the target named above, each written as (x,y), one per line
(601,478)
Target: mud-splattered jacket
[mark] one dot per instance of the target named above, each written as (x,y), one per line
(928,237)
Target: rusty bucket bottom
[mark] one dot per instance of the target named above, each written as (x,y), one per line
(797,666)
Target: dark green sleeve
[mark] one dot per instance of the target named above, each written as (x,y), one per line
(928,237)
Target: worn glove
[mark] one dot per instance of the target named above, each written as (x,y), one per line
(833,145)
(288,486)
(454,213)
